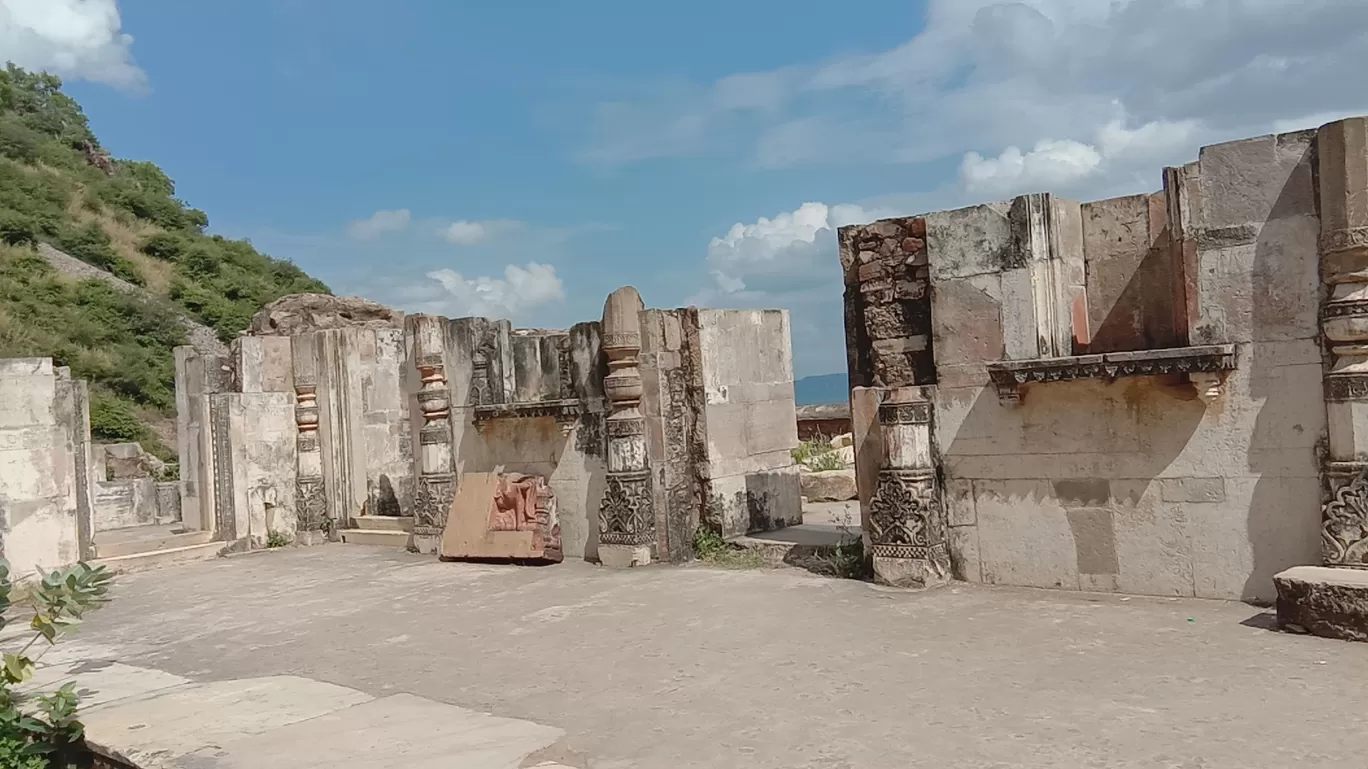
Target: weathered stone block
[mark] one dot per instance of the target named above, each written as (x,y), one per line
(1323,601)
(829,485)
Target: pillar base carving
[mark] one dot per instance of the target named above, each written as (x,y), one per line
(626,520)
(1344,518)
(431,502)
(908,530)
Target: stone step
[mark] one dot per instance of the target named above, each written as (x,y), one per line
(786,551)
(156,558)
(1324,601)
(376,537)
(383,522)
(146,539)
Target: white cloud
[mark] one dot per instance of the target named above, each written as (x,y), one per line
(467,233)
(379,223)
(72,38)
(1088,91)
(1067,165)
(770,258)
(519,289)
(1051,164)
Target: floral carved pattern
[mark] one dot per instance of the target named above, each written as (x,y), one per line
(906,519)
(431,502)
(311,506)
(626,514)
(1344,528)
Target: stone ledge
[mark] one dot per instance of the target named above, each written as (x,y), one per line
(565,411)
(1008,376)
(1324,601)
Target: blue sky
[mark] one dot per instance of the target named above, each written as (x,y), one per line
(524,159)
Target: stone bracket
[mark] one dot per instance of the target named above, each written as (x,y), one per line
(1008,376)
(566,412)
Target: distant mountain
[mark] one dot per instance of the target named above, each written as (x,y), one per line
(822,389)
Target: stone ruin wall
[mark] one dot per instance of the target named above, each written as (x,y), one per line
(719,409)
(46,484)
(1056,475)
(321,425)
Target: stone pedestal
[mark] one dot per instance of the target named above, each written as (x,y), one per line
(626,514)
(907,526)
(436,475)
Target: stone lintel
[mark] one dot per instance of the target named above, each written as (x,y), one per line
(565,411)
(1324,601)
(1009,375)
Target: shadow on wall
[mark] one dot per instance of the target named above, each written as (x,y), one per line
(1284,298)
(1093,449)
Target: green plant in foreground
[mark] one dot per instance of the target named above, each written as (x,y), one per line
(277,539)
(43,731)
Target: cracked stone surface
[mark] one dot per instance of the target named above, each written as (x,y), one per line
(668,668)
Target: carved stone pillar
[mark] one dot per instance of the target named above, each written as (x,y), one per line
(1342,148)
(907,526)
(626,517)
(312,525)
(436,476)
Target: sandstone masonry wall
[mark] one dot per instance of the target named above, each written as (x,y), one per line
(1135,484)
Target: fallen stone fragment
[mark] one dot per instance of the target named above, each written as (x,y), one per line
(1324,601)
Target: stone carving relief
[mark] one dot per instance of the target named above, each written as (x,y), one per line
(626,514)
(508,516)
(906,520)
(1344,529)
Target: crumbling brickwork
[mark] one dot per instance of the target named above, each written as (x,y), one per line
(887,303)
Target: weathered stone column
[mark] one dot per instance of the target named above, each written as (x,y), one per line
(626,517)
(907,527)
(312,525)
(1343,158)
(436,477)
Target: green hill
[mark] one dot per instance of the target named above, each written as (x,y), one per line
(59,186)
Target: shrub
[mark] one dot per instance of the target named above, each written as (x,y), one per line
(163,245)
(40,731)
(114,421)
(91,245)
(18,229)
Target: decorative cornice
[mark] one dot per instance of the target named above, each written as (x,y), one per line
(565,411)
(1009,375)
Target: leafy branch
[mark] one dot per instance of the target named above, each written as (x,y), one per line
(38,731)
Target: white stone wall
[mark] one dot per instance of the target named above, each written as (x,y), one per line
(1136,485)
(746,359)
(364,422)
(43,426)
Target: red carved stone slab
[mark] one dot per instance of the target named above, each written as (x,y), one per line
(502,517)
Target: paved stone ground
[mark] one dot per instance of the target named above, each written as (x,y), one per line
(664,668)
